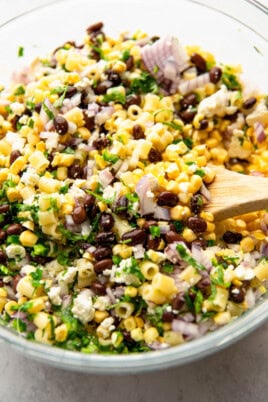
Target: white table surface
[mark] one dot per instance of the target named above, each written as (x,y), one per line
(237,374)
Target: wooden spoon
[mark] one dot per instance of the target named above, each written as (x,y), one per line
(236,194)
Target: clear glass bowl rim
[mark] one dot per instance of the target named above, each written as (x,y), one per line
(155,360)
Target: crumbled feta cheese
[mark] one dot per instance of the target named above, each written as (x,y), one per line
(216,104)
(15,251)
(30,177)
(54,295)
(259,115)
(119,276)
(15,140)
(27,269)
(244,273)
(102,303)
(68,276)
(17,108)
(82,307)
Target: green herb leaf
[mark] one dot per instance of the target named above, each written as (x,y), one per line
(173,125)
(168,268)
(125,55)
(110,157)
(19,91)
(155,231)
(218,277)
(144,84)
(200,172)
(48,112)
(40,249)
(64,189)
(198,301)
(30,123)
(5,271)
(36,277)
(114,95)
(179,226)
(185,256)
(68,150)
(58,103)
(20,51)
(230,80)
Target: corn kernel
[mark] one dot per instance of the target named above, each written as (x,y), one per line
(129,323)
(61,333)
(11,306)
(150,335)
(247,244)
(28,238)
(99,316)
(131,291)
(137,334)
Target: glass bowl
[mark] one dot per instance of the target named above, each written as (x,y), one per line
(236,32)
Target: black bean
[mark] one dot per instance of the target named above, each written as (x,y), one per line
(215,74)
(3,235)
(70,91)
(149,223)
(106,221)
(3,257)
(89,200)
(39,259)
(127,338)
(199,62)
(95,27)
(14,229)
(4,208)
(232,237)
(121,207)
(15,281)
(204,283)
(105,238)
(196,203)
(132,99)
(79,214)
(167,198)
(102,87)
(168,316)
(197,224)
(75,171)
(14,121)
(187,115)
(249,103)
(38,107)
(14,155)
(153,243)
(98,288)
(134,237)
(101,265)
(61,125)
(100,143)
(114,77)
(173,236)
(89,120)
(177,302)
(154,155)
(137,132)
(130,63)
(203,124)
(102,252)
(188,100)
(237,294)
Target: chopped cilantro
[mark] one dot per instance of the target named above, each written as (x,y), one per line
(6,271)
(200,172)
(230,80)
(100,198)
(36,277)
(134,269)
(211,243)
(110,157)
(218,277)
(13,239)
(30,105)
(155,231)
(179,226)
(156,318)
(125,55)
(185,256)
(213,292)
(173,125)
(40,249)
(20,51)
(68,150)
(19,325)
(168,268)
(198,301)
(144,84)
(114,95)
(116,259)
(99,51)
(64,189)
(30,123)
(48,112)
(58,103)
(19,91)
(63,257)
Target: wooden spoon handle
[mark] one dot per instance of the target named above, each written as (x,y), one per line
(236,194)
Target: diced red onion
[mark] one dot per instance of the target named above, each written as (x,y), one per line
(105,177)
(66,301)
(118,292)
(250,298)
(90,168)
(19,315)
(190,85)
(110,295)
(187,317)
(259,132)
(171,252)
(187,329)
(43,115)
(104,114)
(200,256)
(22,77)
(139,251)
(161,213)
(164,228)
(93,108)
(145,186)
